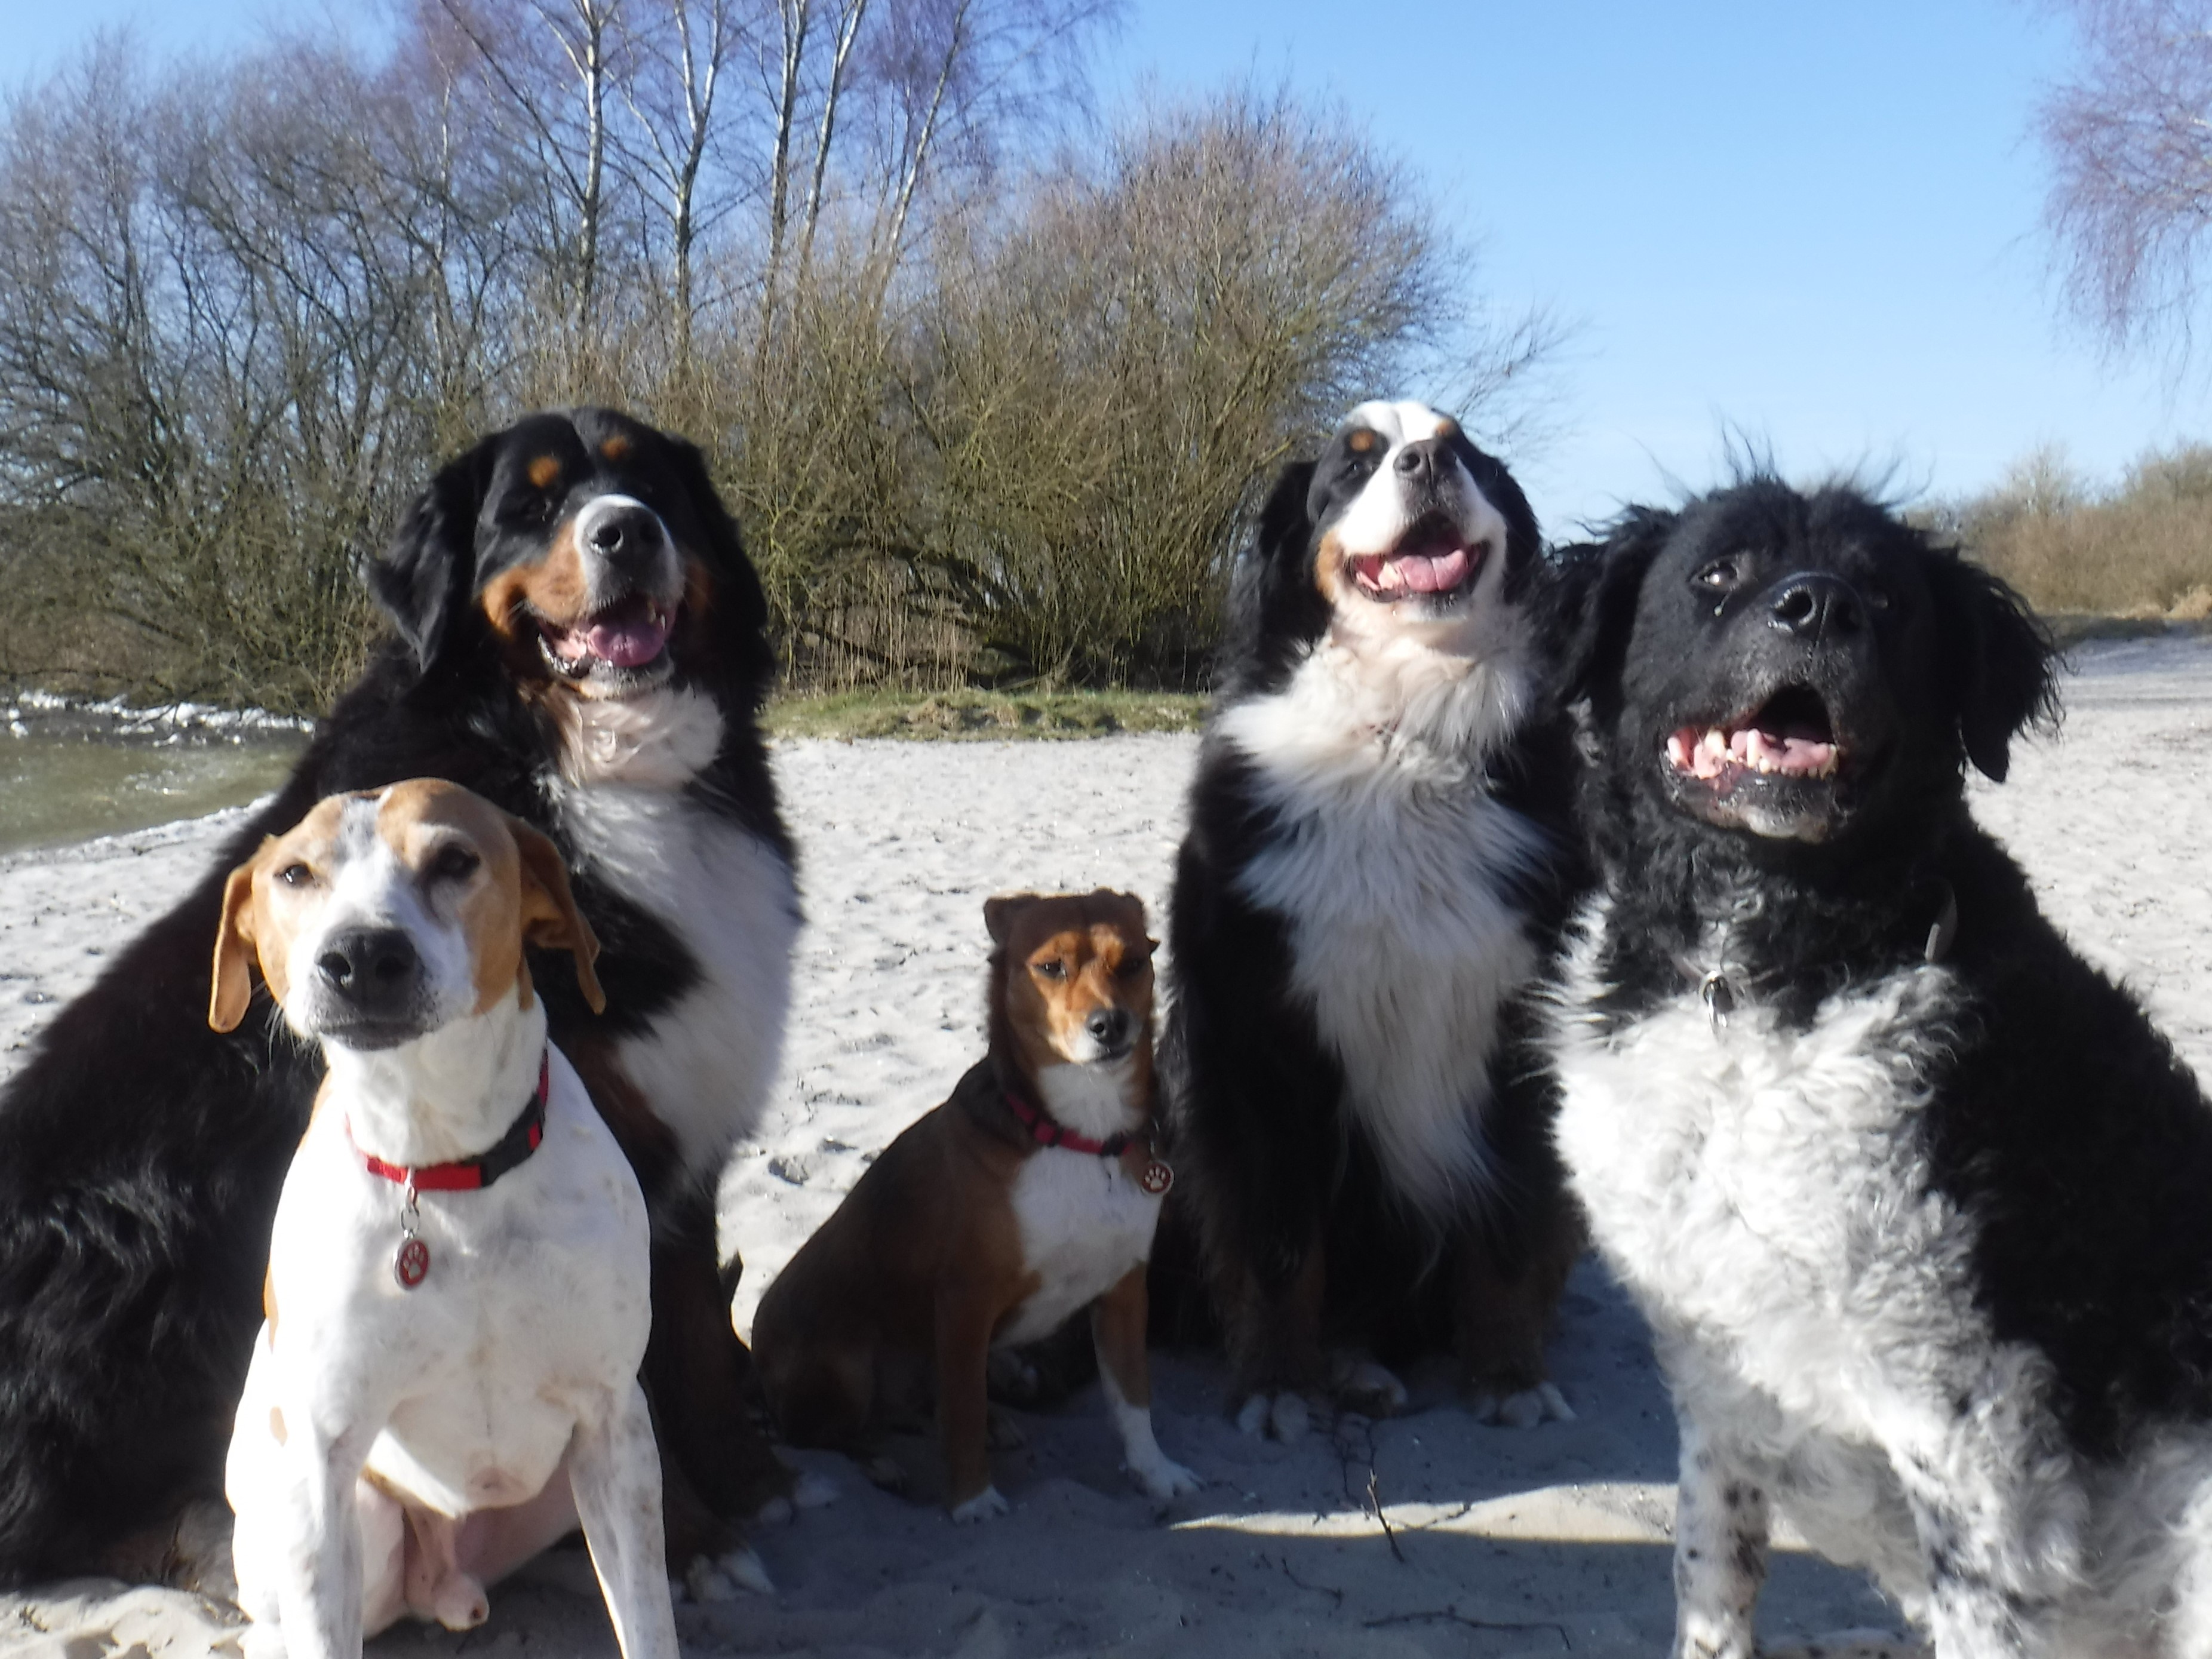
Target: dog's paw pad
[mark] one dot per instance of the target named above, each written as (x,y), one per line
(1525,1408)
(984,1505)
(1375,1389)
(813,1491)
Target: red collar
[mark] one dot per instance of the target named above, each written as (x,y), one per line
(1047,1132)
(521,1139)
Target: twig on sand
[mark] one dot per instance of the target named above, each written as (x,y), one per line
(1370,1498)
(1454,1616)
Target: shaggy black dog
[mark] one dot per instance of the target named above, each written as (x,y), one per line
(1916,1201)
(1376,863)
(580,639)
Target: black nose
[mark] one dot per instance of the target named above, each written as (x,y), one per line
(1109,1027)
(623,531)
(374,969)
(1419,463)
(1813,607)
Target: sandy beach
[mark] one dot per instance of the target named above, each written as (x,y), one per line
(1424,1534)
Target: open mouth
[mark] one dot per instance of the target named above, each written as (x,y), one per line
(1789,736)
(627,636)
(1433,559)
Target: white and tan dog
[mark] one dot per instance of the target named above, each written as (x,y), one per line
(457,1301)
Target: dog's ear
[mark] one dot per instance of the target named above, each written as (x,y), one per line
(426,577)
(737,607)
(999,915)
(2000,665)
(1590,605)
(235,951)
(550,916)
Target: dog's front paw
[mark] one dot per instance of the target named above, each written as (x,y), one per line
(1285,1416)
(984,1505)
(1524,1408)
(1164,1479)
(720,1577)
(1364,1386)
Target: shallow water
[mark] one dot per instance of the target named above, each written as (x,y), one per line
(62,785)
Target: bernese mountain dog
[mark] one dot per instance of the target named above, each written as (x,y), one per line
(580,639)
(1918,1203)
(1377,862)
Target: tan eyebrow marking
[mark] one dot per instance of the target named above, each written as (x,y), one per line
(1360,442)
(544,469)
(615,447)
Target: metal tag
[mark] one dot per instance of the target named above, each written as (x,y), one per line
(410,1263)
(1156,1177)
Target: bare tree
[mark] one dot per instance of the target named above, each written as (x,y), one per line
(2129,137)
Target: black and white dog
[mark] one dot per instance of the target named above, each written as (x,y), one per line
(1377,860)
(580,638)
(1919,1204)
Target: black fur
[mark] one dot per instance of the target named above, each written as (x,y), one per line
(142,1153)
(2062,1124)
(1275,1183)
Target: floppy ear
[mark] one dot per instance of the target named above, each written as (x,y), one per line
(550,915)
(2000,664)
(426,577)
(1592,602)
(235,951)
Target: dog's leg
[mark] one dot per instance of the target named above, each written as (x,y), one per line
(614,1471)
(1992,1571)
(964,1318)
(1117,1330)
(438,1588)
(1721,1527)
(317,1572)
(1274,1347)
(1505,1292)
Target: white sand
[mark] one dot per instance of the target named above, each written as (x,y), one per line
(1497,1543)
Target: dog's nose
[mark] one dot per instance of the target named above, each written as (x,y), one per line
(1109,1027)
(1419,463)
(371,968)
(620,530)
(1812,607)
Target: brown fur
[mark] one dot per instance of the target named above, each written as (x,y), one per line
(922,1264)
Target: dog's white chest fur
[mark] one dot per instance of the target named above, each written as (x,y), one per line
(1393,870)
(705,1064)
(1084,1225)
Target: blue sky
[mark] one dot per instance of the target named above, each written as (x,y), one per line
(1819,224)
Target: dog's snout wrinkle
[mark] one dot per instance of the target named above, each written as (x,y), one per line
(1812,607)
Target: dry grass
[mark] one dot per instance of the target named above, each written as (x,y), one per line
(2142,550)
(966,713)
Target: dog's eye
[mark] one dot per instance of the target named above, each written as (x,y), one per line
(1052,969)
(1717,577)
(1132,967)
(295,875)
(1875,595)
(453,863)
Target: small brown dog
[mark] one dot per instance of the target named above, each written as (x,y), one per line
(1030,1194)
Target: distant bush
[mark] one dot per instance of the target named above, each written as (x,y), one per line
(992,408)
(2143,549)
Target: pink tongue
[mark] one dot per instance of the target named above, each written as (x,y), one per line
(1433,574)
(629,643)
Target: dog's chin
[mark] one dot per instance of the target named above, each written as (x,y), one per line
(367,1037)
(1779,768)
(616,652)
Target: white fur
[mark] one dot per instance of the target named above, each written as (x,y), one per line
(1380,514)
(1391,872)
(705,1064)
(1092,1099)
(509,1377)
(1084,1225)
(1765,1193)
